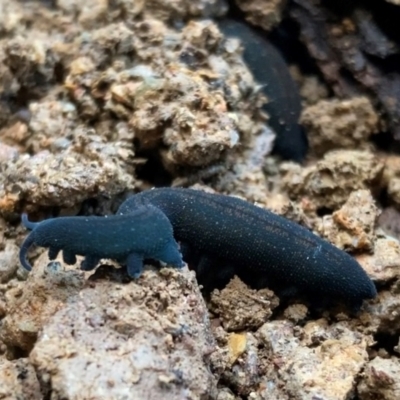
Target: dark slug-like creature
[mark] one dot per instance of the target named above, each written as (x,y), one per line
(223,235)
(220,236)
(271,72)
(145,233)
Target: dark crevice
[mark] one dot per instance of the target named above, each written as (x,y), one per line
(384,141)
(387,342)
(153,170)
(322,211)
(384,199)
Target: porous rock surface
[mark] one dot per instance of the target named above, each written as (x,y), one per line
(330,181)
(129,83)
(31,303)
(107,337)
(334,124)
(128,341)
(381,380)
(18,380)
(240,307)
(264,13)
(313,371)
(352,227)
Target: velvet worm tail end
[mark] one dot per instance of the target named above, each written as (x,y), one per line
(27,243)
(28,224)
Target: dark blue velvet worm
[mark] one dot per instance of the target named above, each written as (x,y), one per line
(220,236)
(272,74)
(145,233)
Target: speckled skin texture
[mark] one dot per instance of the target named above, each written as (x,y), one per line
(146,233)
(224,232)
(271,71)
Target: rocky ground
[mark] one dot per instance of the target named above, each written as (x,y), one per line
(101,99)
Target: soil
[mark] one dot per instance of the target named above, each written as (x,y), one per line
(102,99)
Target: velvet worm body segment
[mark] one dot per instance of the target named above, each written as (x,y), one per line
(272,74)
(146,233)
(219,231)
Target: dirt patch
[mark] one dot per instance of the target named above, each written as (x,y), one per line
(101,99)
